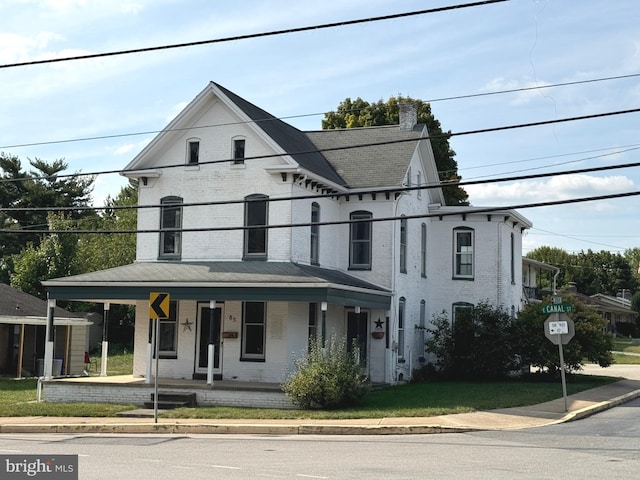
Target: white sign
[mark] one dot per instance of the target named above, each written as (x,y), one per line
(558,328)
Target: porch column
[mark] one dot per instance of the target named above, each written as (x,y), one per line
(210,350)
(323,331)
(20,350)
(358,317)
(147,377)
(49,338)
(105,340)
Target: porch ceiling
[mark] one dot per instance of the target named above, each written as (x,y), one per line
(243,281)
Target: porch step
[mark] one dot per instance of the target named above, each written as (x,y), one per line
(171,400)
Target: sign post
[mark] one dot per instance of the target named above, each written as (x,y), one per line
(158,308)
(559,329)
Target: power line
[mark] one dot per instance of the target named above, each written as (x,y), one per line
(457,212)
(252,35)
(378,191)
(350,147)
(289,117)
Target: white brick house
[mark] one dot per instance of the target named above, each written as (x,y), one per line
(264,235)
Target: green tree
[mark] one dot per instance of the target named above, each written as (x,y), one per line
(589,343)
(54,256)
(100,251)
(360,113)
(26,195)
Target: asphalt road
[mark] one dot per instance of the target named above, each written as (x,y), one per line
(606,445)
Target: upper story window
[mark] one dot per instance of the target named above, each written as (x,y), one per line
(463,253)
(238,151)
(513,258)
(360,240)
(403,245)
(315,234)
(423,250)
(256,210)
(193,151)
(170,225)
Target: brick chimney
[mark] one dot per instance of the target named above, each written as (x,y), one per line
(408,116)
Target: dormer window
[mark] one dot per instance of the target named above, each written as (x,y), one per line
(193,152)
(238,151)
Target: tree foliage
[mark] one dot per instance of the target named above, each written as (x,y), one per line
(100,251)
(592,272)
(27,191)
(360,113)
(487,343)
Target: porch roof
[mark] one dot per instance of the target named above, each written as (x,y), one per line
(244,281)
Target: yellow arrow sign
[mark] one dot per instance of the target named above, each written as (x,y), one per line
(158,305)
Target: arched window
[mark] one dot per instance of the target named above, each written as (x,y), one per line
(256,214)
(403,245)
(315,234)
(360,231)
(170,225)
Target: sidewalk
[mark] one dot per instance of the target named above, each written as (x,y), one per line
(579,406)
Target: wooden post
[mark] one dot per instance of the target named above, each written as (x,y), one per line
(20,350)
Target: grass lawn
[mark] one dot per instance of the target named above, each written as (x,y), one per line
(627,345)
(18,398)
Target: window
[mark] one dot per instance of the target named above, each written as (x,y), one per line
(513,260)
(459,308)
(463,261)
(255,216)
(401,313)
(313,323)
(403,245)
(253,331)
(168,333)
(360,241)
(193,152)
(170,225)
(423,249)
(422,327)
(315,234)
(238,151)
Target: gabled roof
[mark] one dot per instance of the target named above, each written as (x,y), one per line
(372,166)
(292,140)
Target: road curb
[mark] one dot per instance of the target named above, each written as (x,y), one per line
(599,407)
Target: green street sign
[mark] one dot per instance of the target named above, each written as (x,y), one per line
(557,308)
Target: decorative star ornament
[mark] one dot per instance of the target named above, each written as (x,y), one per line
(378,323)
(186,325)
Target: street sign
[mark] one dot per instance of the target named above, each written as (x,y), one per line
(158,305)
(559,328)
(557,308)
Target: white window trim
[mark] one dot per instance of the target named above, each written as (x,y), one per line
(457,254)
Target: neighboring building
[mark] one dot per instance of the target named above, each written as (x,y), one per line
(265,236)
(533,272)
(22,336)
(614,310)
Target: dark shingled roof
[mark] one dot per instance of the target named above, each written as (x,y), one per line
(265,273)
(16,303)
(373,166)
(292,140)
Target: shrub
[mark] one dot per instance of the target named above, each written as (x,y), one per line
(627,329)
(326,378)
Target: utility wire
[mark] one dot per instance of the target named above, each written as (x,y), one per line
(379,191)
(252,35)
(443,213)
(154,132)
(349,147)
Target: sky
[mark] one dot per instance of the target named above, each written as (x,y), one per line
(459,60)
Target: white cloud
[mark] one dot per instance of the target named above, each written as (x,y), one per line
(562,187)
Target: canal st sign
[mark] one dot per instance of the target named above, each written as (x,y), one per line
(557,308)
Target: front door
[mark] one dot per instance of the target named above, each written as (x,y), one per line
(357,334)
(203,334)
